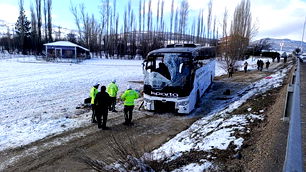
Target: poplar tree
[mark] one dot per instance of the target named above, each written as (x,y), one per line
(39,21)
(49,10)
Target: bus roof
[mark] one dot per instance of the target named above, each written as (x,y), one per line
(178,50)
(173,50)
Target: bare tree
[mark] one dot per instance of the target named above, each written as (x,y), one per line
(75,13)
(140,17)
(130,16)
(39,21)
(224,49)
(171,19)
(113,36)
(176,24)
(144,16)
(149,20)
(234,44)
(89,28)
(49,9)
(162,29)
(108,12)
(116,32)
(103,24)
(45,20)
(184,10)
(202,27)
(209,19)
(33,28)
(114,11)
(157,16)
(214,29)
(199,25)
(241,29)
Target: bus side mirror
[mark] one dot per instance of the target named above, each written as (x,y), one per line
(143,67)
(181,67)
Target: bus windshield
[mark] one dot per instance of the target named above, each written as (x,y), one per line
(167,69)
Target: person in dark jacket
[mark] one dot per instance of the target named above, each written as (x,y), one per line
(258,64)
(102,102)
(261,65)
(245,66)
(278,59)
(267,64)
(273,58)
(230,71)
(285,58)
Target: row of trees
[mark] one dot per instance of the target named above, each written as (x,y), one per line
(142,32)
(137,31)
(147,32)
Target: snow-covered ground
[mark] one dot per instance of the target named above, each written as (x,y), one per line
(221,68)
(38,99)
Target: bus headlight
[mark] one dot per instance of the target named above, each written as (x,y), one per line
(147,100)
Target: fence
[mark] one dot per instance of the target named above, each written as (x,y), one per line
(294,152)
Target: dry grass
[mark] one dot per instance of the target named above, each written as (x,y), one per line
(125,152)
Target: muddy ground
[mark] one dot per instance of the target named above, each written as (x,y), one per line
(264,149)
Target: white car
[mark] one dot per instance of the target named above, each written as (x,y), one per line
(303,57)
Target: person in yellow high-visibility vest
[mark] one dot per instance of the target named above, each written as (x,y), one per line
(93,92)
(112,90)
(129,97)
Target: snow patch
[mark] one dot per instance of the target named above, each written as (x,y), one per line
(195,167)
(216,134)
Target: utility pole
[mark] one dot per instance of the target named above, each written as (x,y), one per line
(303,36)
(281,45)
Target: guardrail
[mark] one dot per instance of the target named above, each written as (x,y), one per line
(294,152)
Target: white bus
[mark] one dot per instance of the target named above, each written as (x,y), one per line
(177,76)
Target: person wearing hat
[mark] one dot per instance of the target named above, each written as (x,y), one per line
(102,102)
(128,97)
(93,92)
(112,90)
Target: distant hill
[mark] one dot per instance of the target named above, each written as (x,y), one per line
(288,45)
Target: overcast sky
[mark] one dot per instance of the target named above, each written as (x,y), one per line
(274,18)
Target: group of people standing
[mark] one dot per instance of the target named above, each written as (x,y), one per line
(260,64)
(231,69)
(105,100)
